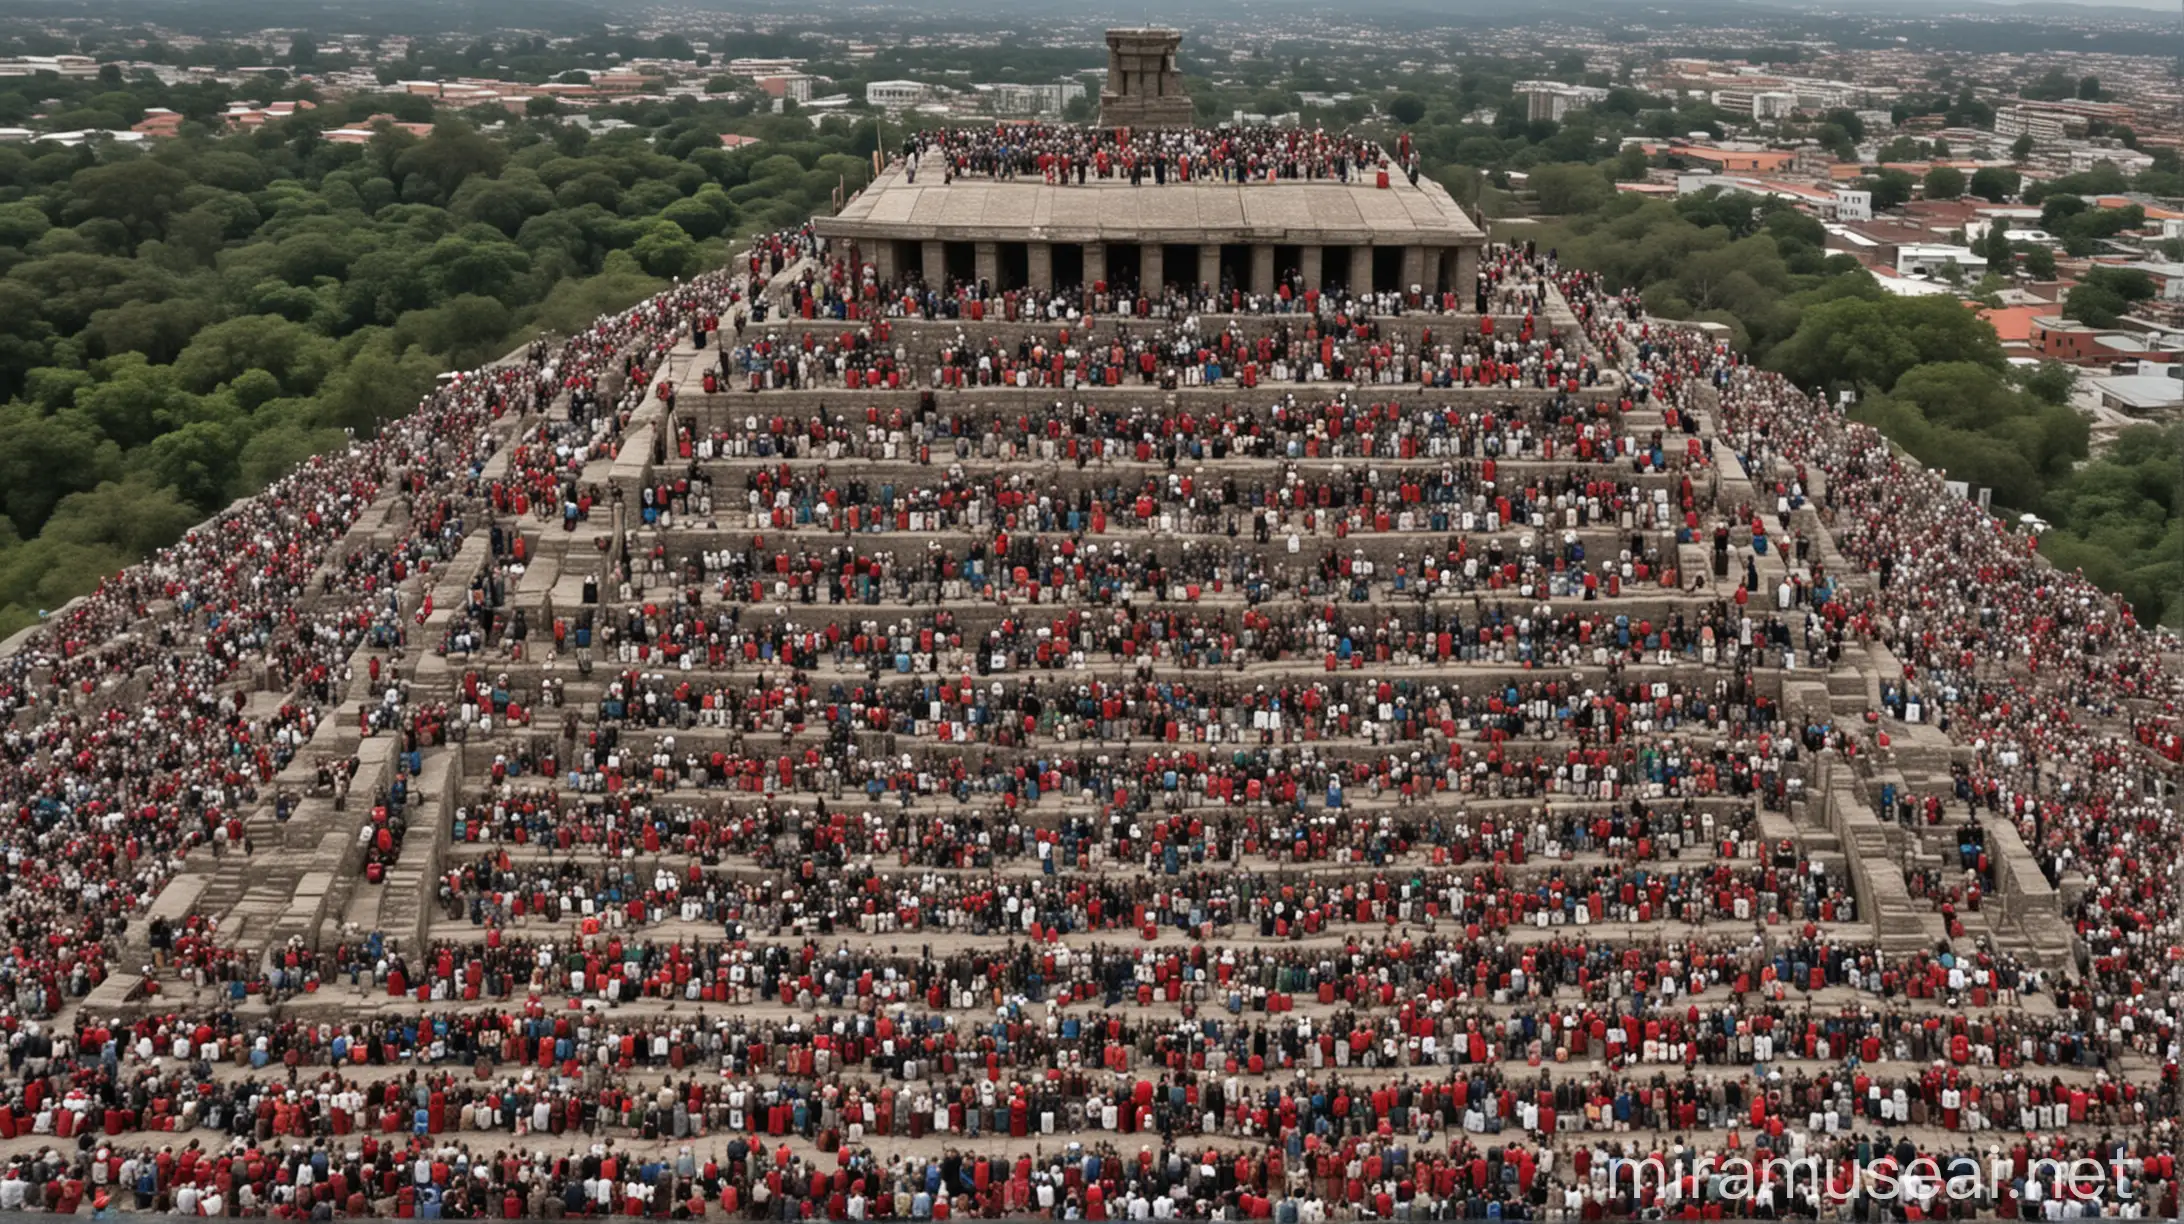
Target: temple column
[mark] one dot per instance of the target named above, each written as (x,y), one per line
(1414,267)
(1467,276)
(1095,263)
(1262,268)
(1152,269)
(1209,265)
(988,255)
(1311,258)
(1039,265)
(1361,269)
(934,255)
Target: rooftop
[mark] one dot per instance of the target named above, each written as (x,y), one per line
(2142,390)
(2013,324)
(1318,210)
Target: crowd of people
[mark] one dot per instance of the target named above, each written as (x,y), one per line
(846,287)
(1346,942)
(1189,352)
(1288,426)
(1449,496)
(1173,891)
(133,740)
(1065,153)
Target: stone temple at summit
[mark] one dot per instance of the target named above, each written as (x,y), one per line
(1378,230)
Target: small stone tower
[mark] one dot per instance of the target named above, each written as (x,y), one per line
(1143,89)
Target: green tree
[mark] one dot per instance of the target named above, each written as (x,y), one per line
(298,357)
(158,330)
(1872,342)
(45,458)
(197,461)
(665,250)
(452,154)
(1570,188)
(132,401)
(134,517)
(2053,86)
(2120,518)
(698,218)
(1890,188)
(21,224)
(2021,148)
(272,451)
(1944,183)
(139,193)
(2050,382)
(1901,149)
(26,343)
(1407,109)
(504,203)
(592,188)
(1995,184)
(2103,295)
(378,385)
(2056,210)
(474,263)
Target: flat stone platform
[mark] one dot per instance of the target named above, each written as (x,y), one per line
(1113,210)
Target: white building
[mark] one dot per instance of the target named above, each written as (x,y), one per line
(762,67)
(1853,204)
(2031,235)
(1552,99)
(1926,258)
(2130,161)
(1773,104)
(93,136)
(78,66)
(2013,121)
(1013,98)
(1909,286)
(896,95)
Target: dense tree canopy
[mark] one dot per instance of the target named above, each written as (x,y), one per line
(1717,256)
(1875,341)
(1927,371)
(185,321)
(1995,184)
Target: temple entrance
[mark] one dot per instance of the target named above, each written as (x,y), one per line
(1236,265)
(1068,266)
(1123,267)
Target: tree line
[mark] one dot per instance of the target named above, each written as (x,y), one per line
(188,320)
(1927,371)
